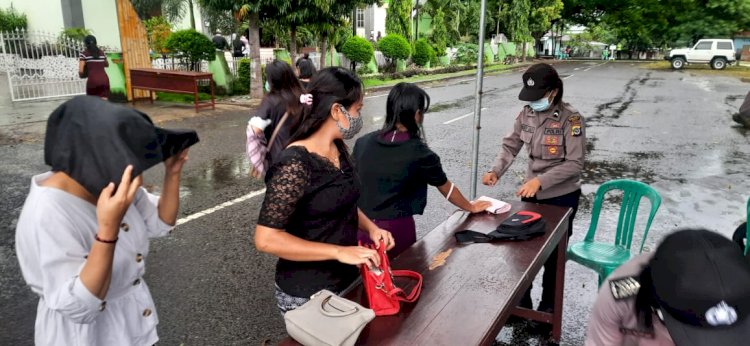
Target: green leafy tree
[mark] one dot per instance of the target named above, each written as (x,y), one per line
(467,53)
(452,11)
(398,18)
(439,36)
(158,30)
(423,52)
(192,47)
(394,47)
(543,14)
(358,50)
(11,20)
(173,10)
(519,25)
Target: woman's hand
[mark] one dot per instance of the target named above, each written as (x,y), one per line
(112,205)
(490,179)
(175,163)
(479,206)
(529,189)
(356,255)
(386,236)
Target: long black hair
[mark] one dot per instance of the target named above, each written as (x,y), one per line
(332,85)
(306,68)
(645,302)
(285,88)
(404,101)
(90,43)
(557,84)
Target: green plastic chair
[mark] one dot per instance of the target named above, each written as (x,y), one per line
(605,258)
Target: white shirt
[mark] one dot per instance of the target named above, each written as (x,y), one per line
(53,237)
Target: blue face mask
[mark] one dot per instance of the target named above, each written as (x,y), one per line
(540,105)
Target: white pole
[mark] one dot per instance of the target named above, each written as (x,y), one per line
(478,104)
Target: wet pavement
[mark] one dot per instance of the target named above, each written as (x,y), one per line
(670,129)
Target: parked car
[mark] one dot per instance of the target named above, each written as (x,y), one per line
(718,53)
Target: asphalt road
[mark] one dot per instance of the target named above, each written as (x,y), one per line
(669,129)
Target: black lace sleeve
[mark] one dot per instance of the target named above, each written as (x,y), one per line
(284,189)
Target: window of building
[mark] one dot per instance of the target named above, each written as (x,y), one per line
(360,18)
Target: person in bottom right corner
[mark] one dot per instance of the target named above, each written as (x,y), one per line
(693,290)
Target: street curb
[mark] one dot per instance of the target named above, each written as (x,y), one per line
(447,79)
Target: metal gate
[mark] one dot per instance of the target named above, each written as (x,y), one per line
(40,65)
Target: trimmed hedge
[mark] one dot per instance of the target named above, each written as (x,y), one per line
(423,53)
(395,47)
(358,50)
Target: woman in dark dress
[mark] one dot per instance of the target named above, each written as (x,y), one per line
(396,166)
(94,60)
(309,218)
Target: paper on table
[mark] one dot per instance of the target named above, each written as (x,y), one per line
(497,207)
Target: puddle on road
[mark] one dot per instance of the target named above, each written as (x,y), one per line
(218,173)
(598,172)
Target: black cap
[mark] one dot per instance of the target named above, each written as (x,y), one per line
(701,282)
(93,141)
(537,81)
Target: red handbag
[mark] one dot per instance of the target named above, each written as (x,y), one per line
(384,297)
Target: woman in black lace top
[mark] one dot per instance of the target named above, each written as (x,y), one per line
(309,217)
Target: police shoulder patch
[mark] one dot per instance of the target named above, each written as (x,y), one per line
(624,288)
(574,118)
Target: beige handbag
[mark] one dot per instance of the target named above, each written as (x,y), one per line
(327,319)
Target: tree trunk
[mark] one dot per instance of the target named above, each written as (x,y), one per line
(192,14)
(323,50)
(331,48)
(523,51)
(293,44)
(256,75)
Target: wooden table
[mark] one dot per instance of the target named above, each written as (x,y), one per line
(467,300)
(183,82)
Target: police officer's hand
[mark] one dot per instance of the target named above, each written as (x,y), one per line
(489,179)
(530,188)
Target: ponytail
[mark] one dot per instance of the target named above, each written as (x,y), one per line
(90,43)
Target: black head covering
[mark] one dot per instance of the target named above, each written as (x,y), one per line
(93,141)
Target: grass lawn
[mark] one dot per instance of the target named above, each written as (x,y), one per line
(180,98)
(741,72)
(376,82)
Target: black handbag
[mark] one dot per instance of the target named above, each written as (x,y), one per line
(523,225)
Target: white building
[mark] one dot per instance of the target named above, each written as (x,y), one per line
(371,20)
(99,16)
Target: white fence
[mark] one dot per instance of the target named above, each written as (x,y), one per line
(40,65)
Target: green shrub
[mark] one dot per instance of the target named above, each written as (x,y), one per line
(242,82)
(423,52)
(11,20)
(395,47)
(77,34)
(364,70)
(467,53)
(192,46)
(358,50)
(158,30)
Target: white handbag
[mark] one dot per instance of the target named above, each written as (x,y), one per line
(327,320)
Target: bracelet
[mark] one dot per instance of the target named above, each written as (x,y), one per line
(450,192)
(105,241)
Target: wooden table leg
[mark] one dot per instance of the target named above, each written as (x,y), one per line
(562,249)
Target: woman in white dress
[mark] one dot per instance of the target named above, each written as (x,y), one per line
(82,236)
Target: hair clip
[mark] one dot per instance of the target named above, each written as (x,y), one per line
(306,99)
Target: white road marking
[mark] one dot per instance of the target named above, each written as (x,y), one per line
(376,96)
(461,117)
(566,77)
(219,207)
(466,80)
(595,66)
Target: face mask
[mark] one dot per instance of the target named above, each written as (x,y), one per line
(355,124)
(267,86)
(540,105)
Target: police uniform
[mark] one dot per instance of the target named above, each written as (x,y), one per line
(556,143)
(614,320)
(697,281)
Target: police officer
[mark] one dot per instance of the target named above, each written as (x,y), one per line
(555,135)
(693,290)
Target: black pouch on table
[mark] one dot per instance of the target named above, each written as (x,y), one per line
(523,225)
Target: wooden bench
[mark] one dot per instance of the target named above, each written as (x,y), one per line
(467,300)
(183,82)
